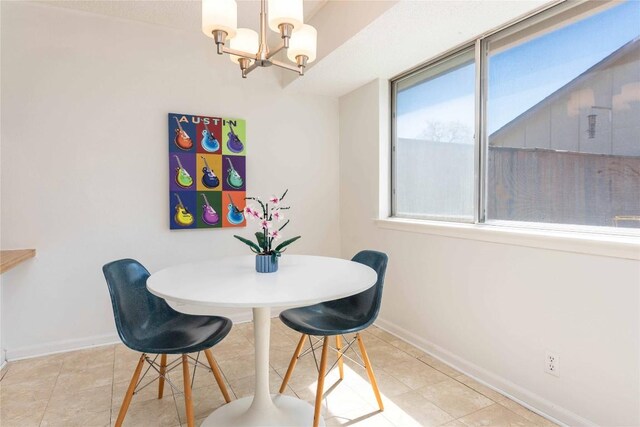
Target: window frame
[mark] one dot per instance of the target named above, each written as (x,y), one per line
(480,45)
(439,60)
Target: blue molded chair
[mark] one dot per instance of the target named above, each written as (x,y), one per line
(147,324)
(335,318)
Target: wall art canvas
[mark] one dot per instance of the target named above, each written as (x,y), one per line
(207,171)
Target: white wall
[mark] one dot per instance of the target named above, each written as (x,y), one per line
(84,152)
(492,309)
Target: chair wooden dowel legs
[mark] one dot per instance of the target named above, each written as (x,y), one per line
(340,361)
(321,374)
(372,377)
(292,365)
(163,370)
(188,402)
(217,375)
(130,390)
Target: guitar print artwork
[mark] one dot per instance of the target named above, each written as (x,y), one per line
(233,177)
(206,171)
(209,215)
(209,141)
(182,216)
(183,179)
(182,138)
(233,143)
(209,178)
(235,215)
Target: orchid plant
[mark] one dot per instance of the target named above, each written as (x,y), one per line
(271,220)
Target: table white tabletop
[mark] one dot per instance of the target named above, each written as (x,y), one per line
(202,287)
(233,282)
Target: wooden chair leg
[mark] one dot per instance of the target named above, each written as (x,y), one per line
(340,361)
(292,365)
(163,370)
(130,390)
(372,377)
(321,375)
(217,375)
(188,402)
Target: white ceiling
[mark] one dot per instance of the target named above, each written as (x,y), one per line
(179,14)
(390,40)
(407,34)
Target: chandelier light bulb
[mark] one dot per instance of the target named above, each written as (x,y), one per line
(245,40)
(285,12)
(219,15)
(303,43)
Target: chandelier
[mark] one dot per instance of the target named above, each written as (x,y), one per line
(248,48)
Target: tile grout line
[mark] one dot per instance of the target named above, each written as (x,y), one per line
(444,373)
(455,379)
(51,395)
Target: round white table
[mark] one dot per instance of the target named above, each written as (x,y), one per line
(203,287)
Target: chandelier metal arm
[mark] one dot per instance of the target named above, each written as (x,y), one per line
(276,50)
(223,49)
(299,70)
(250,69)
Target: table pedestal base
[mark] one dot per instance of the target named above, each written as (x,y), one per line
(287,411)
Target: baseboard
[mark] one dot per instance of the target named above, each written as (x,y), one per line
(64,346)
(526,398)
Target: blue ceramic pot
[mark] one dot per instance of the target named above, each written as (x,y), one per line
(266,264)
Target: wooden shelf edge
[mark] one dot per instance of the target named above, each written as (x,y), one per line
(11,258)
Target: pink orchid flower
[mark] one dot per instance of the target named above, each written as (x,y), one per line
(277,215)
(275,234)
(274,200)
(265,224)
(251,213)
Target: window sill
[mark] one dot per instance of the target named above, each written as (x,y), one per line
(576,242)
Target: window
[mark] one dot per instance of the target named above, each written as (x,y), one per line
(556,103)
(434,141)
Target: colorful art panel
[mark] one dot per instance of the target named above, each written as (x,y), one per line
(210,172)
(235,172)
(182,172)
(182,209)
(209,209)
(207,171)
(233,204)
(234,137)
(182,133)
(209,131)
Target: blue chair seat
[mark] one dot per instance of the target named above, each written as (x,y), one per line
(344,315)
(184,334)
(323,320)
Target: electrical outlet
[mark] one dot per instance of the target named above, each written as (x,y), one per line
(552,364)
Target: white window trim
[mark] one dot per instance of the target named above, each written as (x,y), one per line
(608,245)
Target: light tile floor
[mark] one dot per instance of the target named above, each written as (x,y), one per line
(85,388)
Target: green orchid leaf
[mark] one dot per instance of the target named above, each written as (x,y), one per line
(261,240)
(249,243)
(287,243)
